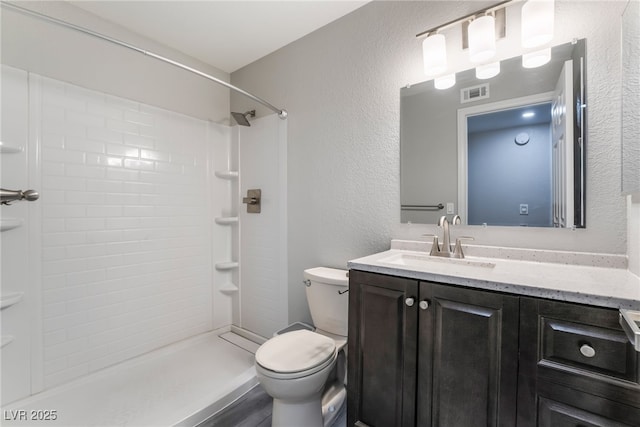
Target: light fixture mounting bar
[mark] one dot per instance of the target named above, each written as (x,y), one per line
(449,24)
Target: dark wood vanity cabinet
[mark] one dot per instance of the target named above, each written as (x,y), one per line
(428,354)
(420,351)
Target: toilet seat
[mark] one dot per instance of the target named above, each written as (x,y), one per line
(296,354)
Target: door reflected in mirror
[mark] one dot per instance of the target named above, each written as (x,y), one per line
(509,163)
(507,151)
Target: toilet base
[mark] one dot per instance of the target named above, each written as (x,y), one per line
(306,413)
(319,411)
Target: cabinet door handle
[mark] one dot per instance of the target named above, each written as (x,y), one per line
(587,350)
(424,304)
(410,302)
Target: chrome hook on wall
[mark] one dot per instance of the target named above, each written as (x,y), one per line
(8,196)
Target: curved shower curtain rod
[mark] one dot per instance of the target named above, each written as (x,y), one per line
(281,113)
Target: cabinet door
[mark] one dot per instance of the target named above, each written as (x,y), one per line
(467,358)
(381,350)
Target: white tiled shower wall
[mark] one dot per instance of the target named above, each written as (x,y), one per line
(126,232)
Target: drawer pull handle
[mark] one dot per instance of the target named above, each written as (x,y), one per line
(587,350)
(409,302)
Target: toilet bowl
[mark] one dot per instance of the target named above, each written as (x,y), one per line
(293,368)
(299,369)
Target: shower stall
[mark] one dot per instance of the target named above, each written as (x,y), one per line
(136,286)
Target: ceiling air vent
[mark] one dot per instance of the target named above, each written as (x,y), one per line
(474,93)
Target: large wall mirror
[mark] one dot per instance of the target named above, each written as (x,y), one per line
(507,151)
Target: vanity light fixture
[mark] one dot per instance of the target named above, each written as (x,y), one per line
(445,82)
(480,29)
(482,39)
(479,34)
(537,23)
(537,58)
(528,114)
(487,71)
(434,54)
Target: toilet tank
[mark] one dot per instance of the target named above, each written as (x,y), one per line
(328,308)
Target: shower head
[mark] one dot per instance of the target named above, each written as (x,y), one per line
(241,119)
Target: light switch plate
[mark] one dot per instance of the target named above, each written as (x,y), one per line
(524,209)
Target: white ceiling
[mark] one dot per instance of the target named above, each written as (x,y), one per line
(225,34)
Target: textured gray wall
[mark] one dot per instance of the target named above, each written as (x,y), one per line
(341,86)
(631,98)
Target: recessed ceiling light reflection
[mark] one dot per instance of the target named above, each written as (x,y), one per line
(528,114)
(445,82)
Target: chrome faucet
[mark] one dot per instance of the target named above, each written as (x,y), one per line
(445,249)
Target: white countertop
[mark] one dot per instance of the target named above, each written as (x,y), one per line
(603,286)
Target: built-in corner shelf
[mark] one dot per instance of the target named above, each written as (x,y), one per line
(227,220)
(7,300)
(228,288)
(230,265)
(227,174)
(9,149)
(6,339)
(10,223)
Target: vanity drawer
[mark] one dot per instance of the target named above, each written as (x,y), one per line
(559,406)
(580,347)
(601,351)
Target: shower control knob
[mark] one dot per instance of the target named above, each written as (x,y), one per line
(409,302)
(423,305)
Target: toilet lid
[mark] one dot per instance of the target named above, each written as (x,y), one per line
(295,351)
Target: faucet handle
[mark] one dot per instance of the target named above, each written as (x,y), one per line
(435,246)
(457,252)
(456,220)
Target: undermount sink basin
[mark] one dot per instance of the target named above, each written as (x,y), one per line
(416,260)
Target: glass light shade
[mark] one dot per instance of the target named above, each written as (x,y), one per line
(537,58)
(434,55)
(482,38)
(487,71)
(445,82)
(537,23)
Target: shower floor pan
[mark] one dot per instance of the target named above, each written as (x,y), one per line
(182,384)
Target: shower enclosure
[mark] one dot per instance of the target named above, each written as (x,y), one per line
(137,242)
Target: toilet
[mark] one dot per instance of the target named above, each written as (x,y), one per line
(305,370)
